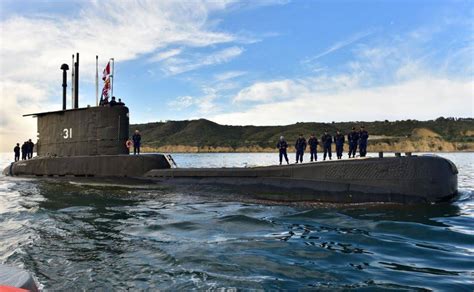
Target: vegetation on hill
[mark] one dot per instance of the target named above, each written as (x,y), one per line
(204,134)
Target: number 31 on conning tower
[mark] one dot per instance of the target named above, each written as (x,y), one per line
(67,133)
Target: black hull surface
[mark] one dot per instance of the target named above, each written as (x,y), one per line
(88,166)
(396,179)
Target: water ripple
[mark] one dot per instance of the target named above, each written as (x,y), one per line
(108,237)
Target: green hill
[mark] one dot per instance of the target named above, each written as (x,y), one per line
(203,134)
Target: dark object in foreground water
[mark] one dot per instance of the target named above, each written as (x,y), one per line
(14,277)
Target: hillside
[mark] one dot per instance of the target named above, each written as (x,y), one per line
(442,134)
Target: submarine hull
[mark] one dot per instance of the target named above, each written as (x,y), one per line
(89,166)
(414,179)
(399,179)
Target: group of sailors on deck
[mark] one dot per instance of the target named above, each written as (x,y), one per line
(354,138)
(105,101)
(26,150)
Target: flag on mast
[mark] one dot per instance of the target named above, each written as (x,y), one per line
(106,78)
(106,72)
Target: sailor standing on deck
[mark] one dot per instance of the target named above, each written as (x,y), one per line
(24,150)
(353,138)
(363,137)
(31,146)
(17,152)
(326,140)
(137,138)
(113,102)
(128,144)
(282,146)
(300,146)
(339,140)
(313,147)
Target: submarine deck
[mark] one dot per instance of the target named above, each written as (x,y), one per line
(392,179)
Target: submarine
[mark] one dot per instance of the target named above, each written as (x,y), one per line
(89,143)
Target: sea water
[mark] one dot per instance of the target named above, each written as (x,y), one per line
(76,236)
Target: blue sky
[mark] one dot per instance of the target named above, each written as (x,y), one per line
(253,62)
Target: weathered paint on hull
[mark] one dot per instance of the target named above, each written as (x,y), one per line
(88,166)
(397,179)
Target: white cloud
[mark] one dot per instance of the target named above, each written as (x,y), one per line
(173,66)
(388,78)
(160,56)
(205,104)
(340,44)
(229,75)
(33,48)
(18,98)
(424,98)
(181,102)
(267,91)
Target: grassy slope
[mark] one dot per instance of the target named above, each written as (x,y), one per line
(204,133)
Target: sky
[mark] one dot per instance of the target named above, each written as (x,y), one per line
(271,62)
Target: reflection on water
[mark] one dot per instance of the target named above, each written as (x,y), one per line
(73,235)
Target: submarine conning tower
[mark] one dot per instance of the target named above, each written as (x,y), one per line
(99,130)
(87,131)
(87,141)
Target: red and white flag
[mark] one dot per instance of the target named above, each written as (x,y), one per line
(106,72)
(106,78)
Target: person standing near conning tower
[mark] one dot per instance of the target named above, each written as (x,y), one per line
(128,144)
(30,148)
(326,140)
(282,146)
(113,102)
(363,138)
(137,138)
(24,150)
(17,152)
(353,139)
(339,140)
(300,146)
(313,147)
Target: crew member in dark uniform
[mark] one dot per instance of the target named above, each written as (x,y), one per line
(24,150)
(326,140)
(137,138)
(282,146)
(31,146)
(339,140)
(313,147)
(113,102)
(17,151)
(300,146)
(353,138)
(120,102)
(363,137)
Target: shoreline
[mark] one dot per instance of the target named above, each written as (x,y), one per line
(220,150)
(428,144)
(306,152)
